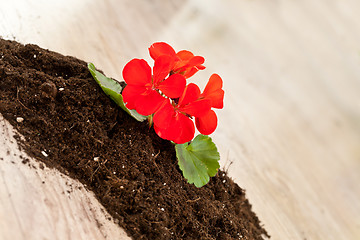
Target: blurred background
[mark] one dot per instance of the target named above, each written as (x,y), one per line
(290,130)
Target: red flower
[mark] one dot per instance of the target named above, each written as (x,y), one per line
(162,92)
(144,91)
(185,62)
(207,123)
(173,121)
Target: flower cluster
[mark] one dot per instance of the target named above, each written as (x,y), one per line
(164,93)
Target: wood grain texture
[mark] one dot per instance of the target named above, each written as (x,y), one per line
(291,123)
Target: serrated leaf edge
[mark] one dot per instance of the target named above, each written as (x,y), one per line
(179,147)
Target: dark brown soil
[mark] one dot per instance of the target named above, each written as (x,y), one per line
(132,171)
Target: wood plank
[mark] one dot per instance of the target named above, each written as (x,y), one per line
(290,125)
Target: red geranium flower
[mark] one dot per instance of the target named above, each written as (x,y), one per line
(144,91)
(185,62)
(173,121)
(162,92)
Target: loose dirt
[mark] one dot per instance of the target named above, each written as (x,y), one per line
(70,124)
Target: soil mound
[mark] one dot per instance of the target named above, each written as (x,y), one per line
(70,124)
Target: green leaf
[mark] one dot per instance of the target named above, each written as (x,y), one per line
(113,89)
(198,160)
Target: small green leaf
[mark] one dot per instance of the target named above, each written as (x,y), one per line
(198,160)
(113,89)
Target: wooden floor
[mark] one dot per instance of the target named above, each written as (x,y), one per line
(290,130)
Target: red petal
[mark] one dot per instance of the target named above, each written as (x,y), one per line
(163,116)
(214,83)
(183,58)
(217,99)
(180,130)
(137,72)
(161,132)
(214,92)
(207,124)
(190,72)
(200,67)
(172,131)
(168,133)
(161,48)
(131,93)
(197,108)
(173,86)
(191,93)
(162,68)
(195,61)
(187,129)
(188,64)
(185,55)
(148,103)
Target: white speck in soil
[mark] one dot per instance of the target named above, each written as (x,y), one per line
(224,181)
(96,159)
(44,153)
(34,55)
(114,172)
(19,119)
(123,166)
(164,183)
(162,209)
(121,187)
(61,89)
